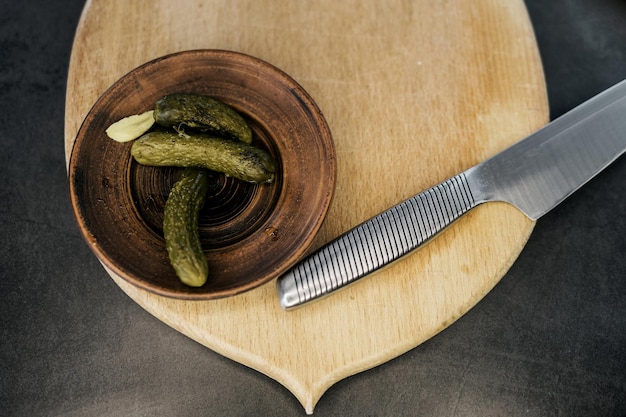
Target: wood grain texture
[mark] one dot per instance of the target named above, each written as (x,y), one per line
(414,92)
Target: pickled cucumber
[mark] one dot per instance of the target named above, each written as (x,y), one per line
(233,158)
(202,113)
(180,227)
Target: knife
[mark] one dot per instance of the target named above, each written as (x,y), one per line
(534,175)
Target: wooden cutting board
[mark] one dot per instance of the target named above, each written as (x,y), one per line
(414,92)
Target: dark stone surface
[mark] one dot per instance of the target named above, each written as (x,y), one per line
(549,340)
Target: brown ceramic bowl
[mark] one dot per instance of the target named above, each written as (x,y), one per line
(250,233)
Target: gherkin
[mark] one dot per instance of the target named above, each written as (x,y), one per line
(233,158)
(180,227)
(202,113)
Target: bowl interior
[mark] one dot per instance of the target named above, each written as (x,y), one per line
(249,233)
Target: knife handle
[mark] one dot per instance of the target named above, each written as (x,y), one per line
(376,242)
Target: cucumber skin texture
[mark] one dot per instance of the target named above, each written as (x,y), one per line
(180,227)
(233,158)
(202,113)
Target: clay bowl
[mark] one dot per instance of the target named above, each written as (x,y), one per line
(250,233)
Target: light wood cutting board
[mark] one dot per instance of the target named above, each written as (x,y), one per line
(414,92)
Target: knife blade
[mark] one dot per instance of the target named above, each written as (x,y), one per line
(534,175)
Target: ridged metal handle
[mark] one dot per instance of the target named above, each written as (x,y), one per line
(377,242)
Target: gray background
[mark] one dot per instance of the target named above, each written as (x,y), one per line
(549,340)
